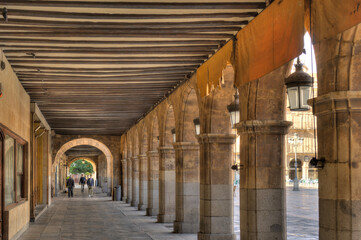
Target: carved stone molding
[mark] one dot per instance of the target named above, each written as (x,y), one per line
(277,127)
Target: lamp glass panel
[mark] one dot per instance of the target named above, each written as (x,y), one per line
(305,95)
(174,137)
(198,129)
(293,98)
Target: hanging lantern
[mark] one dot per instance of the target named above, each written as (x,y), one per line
(173,133)
(197,125)
(298,86)
(233,110)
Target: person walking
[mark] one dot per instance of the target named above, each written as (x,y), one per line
(82,182)
(70,185)
(90,184)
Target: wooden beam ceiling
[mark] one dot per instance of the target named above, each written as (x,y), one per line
(95,67)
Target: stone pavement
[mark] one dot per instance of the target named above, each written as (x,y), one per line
(99,218)
(302,214)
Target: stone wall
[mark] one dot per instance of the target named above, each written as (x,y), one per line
(15,115)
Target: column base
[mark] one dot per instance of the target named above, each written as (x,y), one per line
(134,203)
(214,236)
(163,218)
(185,227)
(142,207)
(128,200)
(151,211)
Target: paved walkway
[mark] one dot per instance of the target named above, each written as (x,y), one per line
(99,218)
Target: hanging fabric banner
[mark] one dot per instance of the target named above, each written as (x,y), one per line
(270,40)
(210,73)
(330,17)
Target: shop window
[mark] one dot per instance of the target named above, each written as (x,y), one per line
(13,168)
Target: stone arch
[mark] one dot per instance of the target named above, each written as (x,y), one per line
(169,124)
(95,143)
(144,139)
(215,117)
(154,138)
(135,146)
(190,112)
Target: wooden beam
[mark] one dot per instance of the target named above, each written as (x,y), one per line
(138,5)
(97,24)
(118,35)
(102,62)
(98,16)
(117,30)
(82,58)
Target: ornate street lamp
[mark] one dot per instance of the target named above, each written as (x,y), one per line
(233,110)
(295,141)
(197,125)
(173,133)
(298,86)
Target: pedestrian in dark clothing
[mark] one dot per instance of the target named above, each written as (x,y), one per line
(70,185)
(90,184)
(82,182)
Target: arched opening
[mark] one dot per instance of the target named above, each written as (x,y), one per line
(80,165)
(105,161)
(303,128)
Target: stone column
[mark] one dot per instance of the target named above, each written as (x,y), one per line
(143,182)
(187,187)
(129,187)
(339,142)
(216,187)
(124,179)
(166,185)
(305,171)
(135,182)
(262,181)
(153,183)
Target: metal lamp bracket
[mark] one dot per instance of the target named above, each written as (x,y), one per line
(237,167)
(318,163)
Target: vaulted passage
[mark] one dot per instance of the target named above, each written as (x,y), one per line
(190,119)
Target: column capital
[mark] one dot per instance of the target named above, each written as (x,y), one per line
(272,127)
(142,156)
(340,101)
(186,146)
(152,153)
(166,149)
(134,158)
(216,138)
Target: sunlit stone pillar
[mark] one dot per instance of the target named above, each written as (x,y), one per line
(124,179)
(135,182)
(153,183)
(129,187)
(338,111)
(187,187)
(262,179)
(216,187)
(143,182)
(166,185)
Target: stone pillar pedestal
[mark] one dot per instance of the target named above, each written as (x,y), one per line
(135,182)
(166,185)
(187,187)
(124,180)
(339,142)
(262,181)
(129,187)
(216,187)
(143,182)
(153,183)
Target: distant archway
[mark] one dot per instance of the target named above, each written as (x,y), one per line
(95,143)
(91,161)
